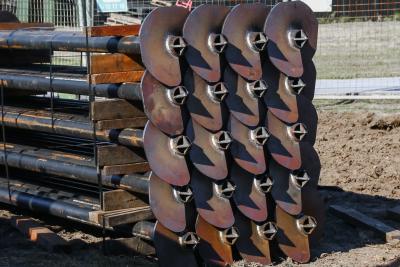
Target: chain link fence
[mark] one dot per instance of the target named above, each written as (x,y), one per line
(358,46)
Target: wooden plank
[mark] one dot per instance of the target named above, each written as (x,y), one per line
(117,77)
(129,246)
(125,169)
(110,109)
(357,218)
(394,213)
(127,216)
(117,155)
(138,122)
(39,234)
(117,30)
(110,63)
(120,199)
(16,26)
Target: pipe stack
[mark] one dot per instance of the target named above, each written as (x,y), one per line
(234,172)
(227,93)
(48,145)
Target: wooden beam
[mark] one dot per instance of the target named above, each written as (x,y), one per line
(110,63)
(127,216)
(16,26)
(125,169)
(137,122)
(110,109)
(117,30)
(39,234)
(119,217)
(117,77)
(117,155)
(357,218)
(120,199)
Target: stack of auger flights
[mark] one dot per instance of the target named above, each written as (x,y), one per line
(231,132)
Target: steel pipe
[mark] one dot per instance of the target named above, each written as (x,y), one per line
(144,230)
(67,41)
(61,164)
(55,190)
(45,205)
(129,91)
(19,118)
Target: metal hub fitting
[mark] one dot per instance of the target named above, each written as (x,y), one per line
(176,45)
(226,189)
(257,89)
(222,140)
(299,178)
(180,145)
(267,231)
(297,131)
(229,236)
(178,95)
(294,85)
(218,92)
(297,38)
(217,42)
(259,136)
(264,185)
(306,224)
(257,41)
(189,240)
(183,195)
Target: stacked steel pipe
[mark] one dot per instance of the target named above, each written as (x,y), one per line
(48,141)
(231,132)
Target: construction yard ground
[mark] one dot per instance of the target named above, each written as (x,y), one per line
(359,146)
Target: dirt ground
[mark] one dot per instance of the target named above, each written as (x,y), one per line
(359,146)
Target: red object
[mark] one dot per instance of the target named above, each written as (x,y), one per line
(185,4)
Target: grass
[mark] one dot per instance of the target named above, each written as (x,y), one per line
(358,50)
(363,106)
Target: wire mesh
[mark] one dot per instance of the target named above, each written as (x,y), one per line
(358,45)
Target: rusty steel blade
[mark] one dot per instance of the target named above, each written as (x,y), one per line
(173,249)
(287,143)
(297,233)
(171,206)
(250,194)
(208,151)
(287,97)
(202,32)
(248,147)
(244,98)
(164,106)
(243,28)
(215,245)
(206,102)
(291,186)
(292,31)
(212,200)
(166,156)
(162,45)
(254,240)
(291,240)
